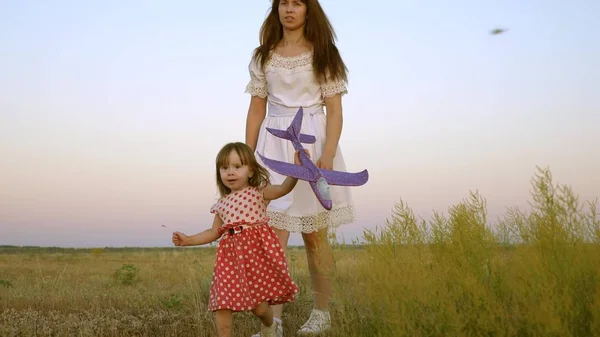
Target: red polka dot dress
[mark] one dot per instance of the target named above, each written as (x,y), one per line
(250,267)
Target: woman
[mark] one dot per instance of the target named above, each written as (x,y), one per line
(298,65)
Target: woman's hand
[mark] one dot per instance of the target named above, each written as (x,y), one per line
(325,162)
(180,239)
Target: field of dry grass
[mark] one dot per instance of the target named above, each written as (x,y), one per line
(533,274)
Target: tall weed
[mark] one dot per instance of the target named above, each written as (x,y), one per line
(533,273)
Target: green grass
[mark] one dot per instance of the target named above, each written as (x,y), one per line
(532,273)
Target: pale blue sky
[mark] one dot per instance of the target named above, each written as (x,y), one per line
(111,112)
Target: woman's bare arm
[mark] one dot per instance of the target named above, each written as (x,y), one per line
(333,130)
(256,114)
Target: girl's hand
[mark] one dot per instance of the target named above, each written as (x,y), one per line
(325,162)
(297,157)
(180,239)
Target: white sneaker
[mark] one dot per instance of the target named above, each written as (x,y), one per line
(318,322)
(274,331)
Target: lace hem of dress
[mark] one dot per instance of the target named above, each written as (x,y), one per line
(256,88)
(312,223)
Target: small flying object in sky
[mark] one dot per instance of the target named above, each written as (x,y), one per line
(497,31)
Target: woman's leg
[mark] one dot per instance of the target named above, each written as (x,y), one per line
(319,255)
(224,320)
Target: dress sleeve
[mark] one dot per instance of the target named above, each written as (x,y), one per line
(257,86)
(214,209)
(331,88)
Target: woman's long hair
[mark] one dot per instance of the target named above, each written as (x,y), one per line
(327,62)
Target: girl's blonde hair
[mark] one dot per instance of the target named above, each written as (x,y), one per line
(260,175)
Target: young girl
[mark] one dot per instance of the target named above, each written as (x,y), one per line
(298,65)
(250,271)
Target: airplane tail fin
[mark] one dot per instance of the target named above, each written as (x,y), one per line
(293,131)
(287,134)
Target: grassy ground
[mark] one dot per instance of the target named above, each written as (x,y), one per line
(535,274)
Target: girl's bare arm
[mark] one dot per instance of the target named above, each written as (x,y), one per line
(272,192)
(206,236)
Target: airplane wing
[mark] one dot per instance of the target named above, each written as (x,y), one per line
(345,178)
(287,169)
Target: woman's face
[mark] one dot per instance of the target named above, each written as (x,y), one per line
(292,14)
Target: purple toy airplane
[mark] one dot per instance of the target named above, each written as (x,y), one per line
(319,179)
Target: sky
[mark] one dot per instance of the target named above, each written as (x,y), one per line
(112,112)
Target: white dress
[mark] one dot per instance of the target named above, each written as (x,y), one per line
(289,83)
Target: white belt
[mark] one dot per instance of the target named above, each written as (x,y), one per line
(282,111)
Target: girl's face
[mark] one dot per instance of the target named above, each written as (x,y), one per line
(234,174)
(292,14)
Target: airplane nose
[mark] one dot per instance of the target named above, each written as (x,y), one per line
(323,188)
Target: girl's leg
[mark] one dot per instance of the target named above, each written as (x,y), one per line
(283,236)
(264,313)
(224,320)
(268,327)
(277,309)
